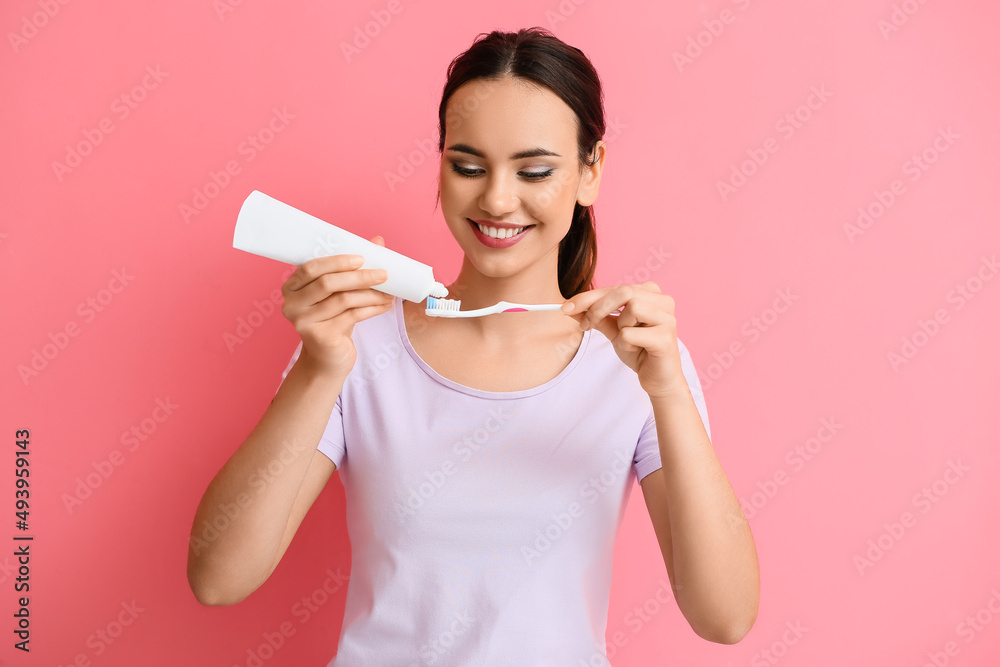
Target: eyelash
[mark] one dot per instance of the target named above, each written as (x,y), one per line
(473,173)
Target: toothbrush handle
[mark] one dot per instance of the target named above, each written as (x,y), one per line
(541,306)
(500,307)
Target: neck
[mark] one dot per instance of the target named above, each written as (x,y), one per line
(538,283)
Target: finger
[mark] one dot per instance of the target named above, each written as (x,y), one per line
(653,339)
(615,299)
(607,326)
(625,341)
(309,271)
(342,302)
(645,312)
(378,240)
(342,281)
(582,301)
(653,287)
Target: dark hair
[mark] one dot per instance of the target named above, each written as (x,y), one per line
(537,55)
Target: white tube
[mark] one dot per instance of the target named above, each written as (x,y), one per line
(272,229)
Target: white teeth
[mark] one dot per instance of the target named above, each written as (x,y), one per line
(495,233)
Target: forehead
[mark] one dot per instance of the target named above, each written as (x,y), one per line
(503,116)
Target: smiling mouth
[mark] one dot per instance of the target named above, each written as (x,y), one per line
(499,233)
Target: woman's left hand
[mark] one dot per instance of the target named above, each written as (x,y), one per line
(644,335)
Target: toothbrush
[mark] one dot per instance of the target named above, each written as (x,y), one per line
(450,308)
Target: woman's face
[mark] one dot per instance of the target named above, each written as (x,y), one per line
(510,157)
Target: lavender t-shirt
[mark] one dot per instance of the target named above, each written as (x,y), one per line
(482,523)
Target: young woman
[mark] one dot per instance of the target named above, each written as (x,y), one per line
(487,462)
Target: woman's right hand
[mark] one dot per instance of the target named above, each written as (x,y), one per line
(324,298)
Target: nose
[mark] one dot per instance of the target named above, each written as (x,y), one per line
(499,196)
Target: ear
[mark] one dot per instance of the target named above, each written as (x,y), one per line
(586,194)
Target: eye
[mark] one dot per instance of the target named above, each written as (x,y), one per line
(468,173)
(529,175)
(536,175)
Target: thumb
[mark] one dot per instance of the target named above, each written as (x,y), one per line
(378,240)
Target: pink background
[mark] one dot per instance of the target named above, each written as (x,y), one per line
(676,130)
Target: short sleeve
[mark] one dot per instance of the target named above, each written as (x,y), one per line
(332,442)
(647,451)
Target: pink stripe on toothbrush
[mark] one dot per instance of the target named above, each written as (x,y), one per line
(514,310)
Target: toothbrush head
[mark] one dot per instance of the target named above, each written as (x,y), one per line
(442,306)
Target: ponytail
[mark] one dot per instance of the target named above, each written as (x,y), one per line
(578,253)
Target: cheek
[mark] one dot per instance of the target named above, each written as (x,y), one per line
(455,202)
(448,192)
(552,202)
(458,195)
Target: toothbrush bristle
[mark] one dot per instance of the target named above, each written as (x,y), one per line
(443,304)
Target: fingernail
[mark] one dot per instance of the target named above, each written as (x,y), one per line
(568,307)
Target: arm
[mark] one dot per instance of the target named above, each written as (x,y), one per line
(705,539)
(703,535)
(255,503)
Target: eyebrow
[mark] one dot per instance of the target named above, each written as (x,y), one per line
(534,152)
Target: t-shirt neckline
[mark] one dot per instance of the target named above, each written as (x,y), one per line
(482,393)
